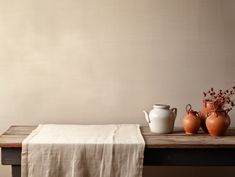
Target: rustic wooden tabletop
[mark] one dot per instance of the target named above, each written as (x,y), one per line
(14,136)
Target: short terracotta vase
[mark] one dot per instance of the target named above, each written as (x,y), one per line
(191,121)
(217,123)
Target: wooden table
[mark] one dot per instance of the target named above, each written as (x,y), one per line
(175,149)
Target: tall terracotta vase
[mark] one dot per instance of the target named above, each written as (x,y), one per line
(207,107)
(217,123)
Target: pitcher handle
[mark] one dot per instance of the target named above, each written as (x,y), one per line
(174,111)
(146,116)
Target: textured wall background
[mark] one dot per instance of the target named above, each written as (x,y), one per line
(87,61)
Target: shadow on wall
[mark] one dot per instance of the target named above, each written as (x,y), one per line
(151,171)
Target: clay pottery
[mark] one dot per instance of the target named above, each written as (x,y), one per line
(228,120)
(191,122)
(207,107)
(161,118)
(217,123)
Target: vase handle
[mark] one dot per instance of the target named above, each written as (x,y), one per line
(188,108)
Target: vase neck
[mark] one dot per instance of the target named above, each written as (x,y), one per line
(212,105)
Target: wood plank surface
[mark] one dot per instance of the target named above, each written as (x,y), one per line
(14,136)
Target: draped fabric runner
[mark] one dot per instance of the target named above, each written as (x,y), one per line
(58,150)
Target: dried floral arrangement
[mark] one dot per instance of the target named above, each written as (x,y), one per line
(222,99)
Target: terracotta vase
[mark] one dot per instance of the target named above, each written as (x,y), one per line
(191,122)
(228,120)
(207,107)
(217,123)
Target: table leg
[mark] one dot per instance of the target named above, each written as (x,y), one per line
(16,170)
(12,156)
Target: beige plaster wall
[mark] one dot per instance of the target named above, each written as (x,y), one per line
(104,61)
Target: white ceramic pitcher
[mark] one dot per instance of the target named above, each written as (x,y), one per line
(161,118)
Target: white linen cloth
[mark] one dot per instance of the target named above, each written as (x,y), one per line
(60,150)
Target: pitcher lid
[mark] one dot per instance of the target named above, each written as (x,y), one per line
(161,106)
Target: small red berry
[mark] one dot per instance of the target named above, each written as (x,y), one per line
(232,104)
(204,93)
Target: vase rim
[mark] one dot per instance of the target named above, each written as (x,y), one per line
(208,100)
(219,110)
(161,106)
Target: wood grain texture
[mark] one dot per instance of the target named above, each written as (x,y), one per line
(14,136)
